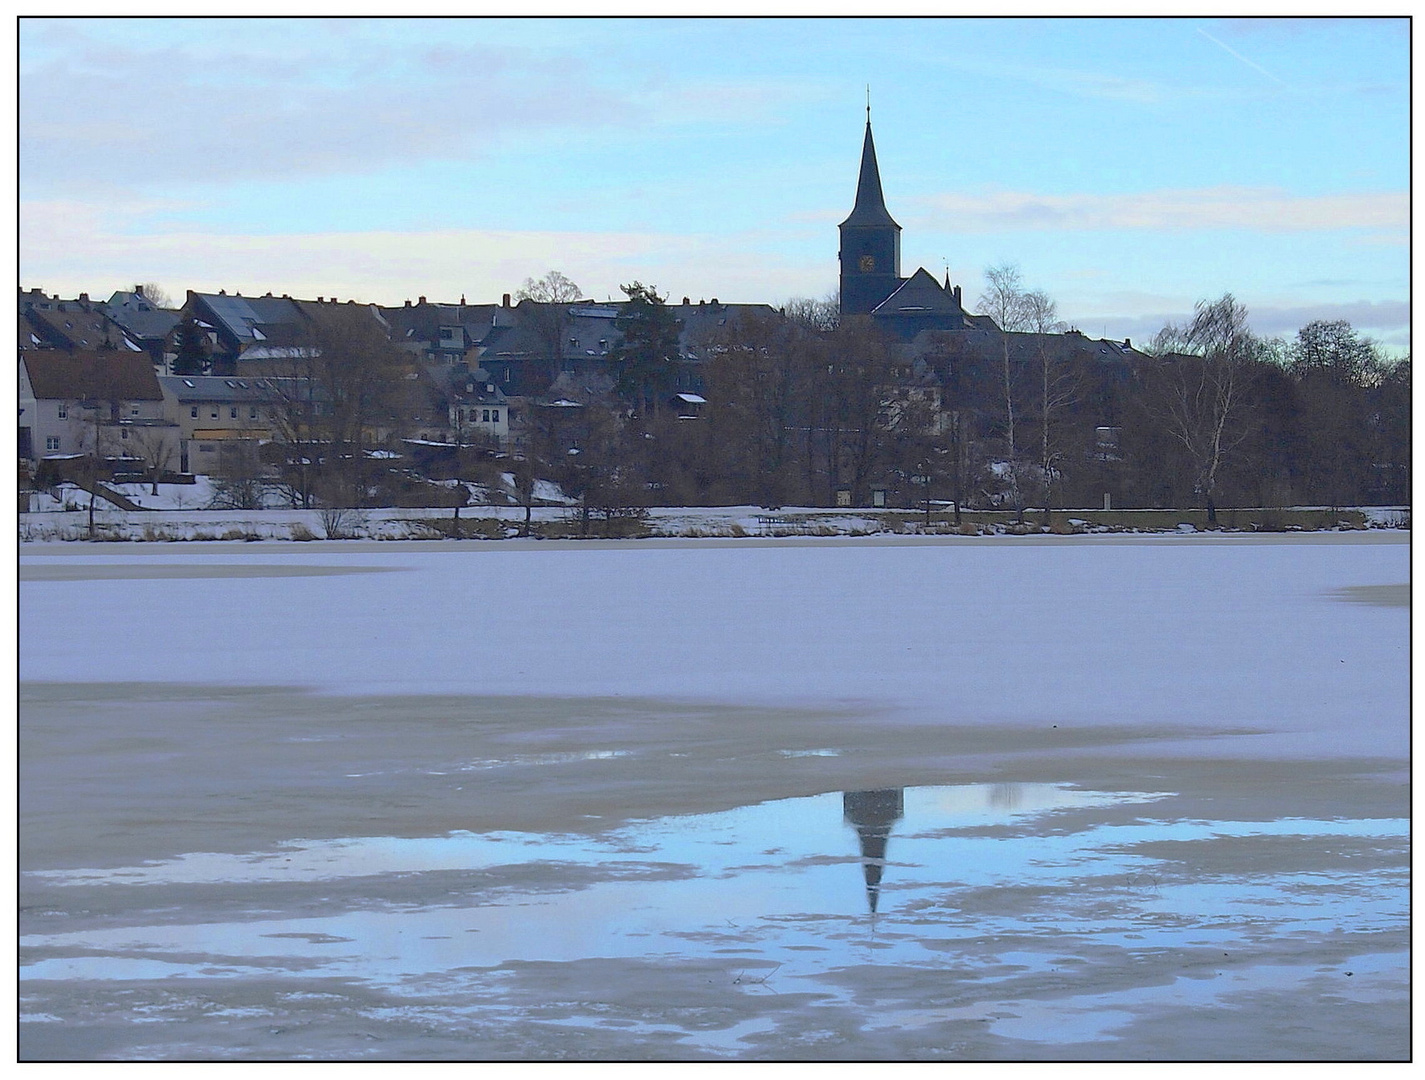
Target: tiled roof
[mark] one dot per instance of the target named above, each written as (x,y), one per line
(101,374)
(213,388)
(140,318)
(76,328)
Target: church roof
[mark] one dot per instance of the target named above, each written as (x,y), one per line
(919,294)
(870,208)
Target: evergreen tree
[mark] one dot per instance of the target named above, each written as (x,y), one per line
(192,347)
(645,358)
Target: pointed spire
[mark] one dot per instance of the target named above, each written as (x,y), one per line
(873,814)
(870,206)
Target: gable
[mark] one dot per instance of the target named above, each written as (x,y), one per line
(919,294)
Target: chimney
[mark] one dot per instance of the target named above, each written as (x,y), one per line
(505,300)
(84,298)
(686,301)
(714,301)
(222,292)
(957,296)
(1128,343)
(462,299)
(408,303)
(138,290)
(321,299)
(421,301)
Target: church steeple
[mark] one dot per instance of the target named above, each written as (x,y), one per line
(870,240)
(870,208)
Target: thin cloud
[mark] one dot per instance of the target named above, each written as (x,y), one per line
(179,114)
(1250,63)
(1224,207)
(68,247)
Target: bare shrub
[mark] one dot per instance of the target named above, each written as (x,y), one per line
(342,522)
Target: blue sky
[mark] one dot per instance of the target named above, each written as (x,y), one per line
(1128,166)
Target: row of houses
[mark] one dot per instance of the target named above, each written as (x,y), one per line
(481,366)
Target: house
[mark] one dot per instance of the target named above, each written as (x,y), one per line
(144,323)
(440,334)
(479,411)
(52,323)
(215,413)
(105,403)
(236,324)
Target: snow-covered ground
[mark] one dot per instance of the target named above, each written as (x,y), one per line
(182,512)
(1247,632)
(551,799)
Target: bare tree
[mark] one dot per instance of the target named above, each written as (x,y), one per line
(548,312)
(752,381)
(1005,301)
(858,415)
(155,294)
(339,393)
(822,315)
(1056,387)
(238,482)
(552,288)
(1198,387)
(157,446)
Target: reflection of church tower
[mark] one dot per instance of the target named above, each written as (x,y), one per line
(873,813)
(870,241)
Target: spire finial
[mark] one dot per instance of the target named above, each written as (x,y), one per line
(868,103)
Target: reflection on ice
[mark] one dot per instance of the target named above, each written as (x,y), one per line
(958,878)
(676,839)
(873,814)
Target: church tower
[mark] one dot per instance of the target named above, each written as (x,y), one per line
(870,241)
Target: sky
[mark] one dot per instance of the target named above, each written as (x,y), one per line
(1129,167)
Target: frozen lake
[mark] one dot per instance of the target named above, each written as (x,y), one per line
(1129,797)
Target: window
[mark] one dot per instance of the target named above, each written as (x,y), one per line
(193,412)
(485,416)
(51,442)
(214,413)
(495,415)
(64,412)
(232,412)
(123,433)
(252,412)
(133,410)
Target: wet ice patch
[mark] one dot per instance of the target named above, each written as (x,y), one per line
(543,759)
(999,890)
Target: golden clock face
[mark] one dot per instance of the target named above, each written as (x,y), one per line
(868,263)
